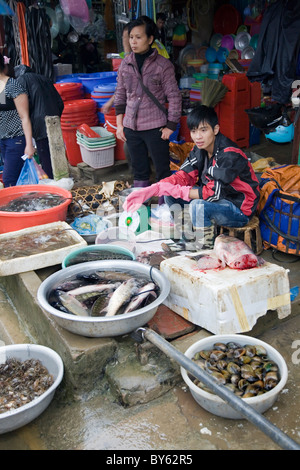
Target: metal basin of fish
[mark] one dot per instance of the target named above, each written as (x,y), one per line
(104,326)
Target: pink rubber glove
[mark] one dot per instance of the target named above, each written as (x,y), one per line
(175,190)
(134,201)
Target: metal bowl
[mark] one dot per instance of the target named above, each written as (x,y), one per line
(213,403)
(101,326)
(23,415)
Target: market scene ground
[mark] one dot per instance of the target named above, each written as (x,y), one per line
(169,421)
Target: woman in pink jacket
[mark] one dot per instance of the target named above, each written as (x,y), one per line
(143,121)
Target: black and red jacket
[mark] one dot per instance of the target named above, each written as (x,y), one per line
(226,175)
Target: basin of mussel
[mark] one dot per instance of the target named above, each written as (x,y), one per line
(29,377)
(246,366)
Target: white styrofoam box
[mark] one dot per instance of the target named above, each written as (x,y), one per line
(225,301)
(30,262)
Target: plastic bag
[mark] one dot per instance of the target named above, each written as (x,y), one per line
(28,173)
(66,183)
(89,225)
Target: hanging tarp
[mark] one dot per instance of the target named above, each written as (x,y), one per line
(277,49)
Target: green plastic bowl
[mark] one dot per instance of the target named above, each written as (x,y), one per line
(113,249)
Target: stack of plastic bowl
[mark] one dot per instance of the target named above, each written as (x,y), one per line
(74,114)
(195,63)
(211,54)
(74,77)
(91,80)
(69,90)
(214,70)
(227,42)
(97,152)
(101,94)
(111,126)
(222,54)
(195,92)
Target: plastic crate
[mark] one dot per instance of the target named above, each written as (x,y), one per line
(98,158)
(238,94)
(103,135)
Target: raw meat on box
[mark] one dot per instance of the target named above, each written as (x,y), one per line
(235,253)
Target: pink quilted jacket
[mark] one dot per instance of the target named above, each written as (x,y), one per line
(141,113)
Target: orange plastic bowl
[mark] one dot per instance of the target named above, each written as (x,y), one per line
(12,221)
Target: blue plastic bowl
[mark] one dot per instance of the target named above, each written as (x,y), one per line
(222,54)
(114,249)
(94,79)
(210,54)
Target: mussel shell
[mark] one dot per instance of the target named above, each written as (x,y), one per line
(235,379)
(204,354)
(232,345)
(221,364)
(244,359)
(220,347)
(219,377)
(233,368)
(260,350)
(250,350)
(238,352)
(270,366)
(248,373)
(216,355)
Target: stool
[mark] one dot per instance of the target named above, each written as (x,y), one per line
(247,230)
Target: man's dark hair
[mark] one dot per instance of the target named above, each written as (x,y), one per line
(161,16)
(202,114)
(150,26)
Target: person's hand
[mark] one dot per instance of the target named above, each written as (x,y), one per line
(29,150)
(120,133)
(135,199)
(175,190)
(166,133)
(106,108)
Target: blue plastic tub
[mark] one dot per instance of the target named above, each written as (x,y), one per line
(105,88)
(72,78)
(94,79)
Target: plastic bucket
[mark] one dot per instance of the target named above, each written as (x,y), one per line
(12,221)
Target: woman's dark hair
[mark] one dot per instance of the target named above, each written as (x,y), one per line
(150,26)
(202,114)
(6,68)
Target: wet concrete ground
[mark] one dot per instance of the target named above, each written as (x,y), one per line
(173,422)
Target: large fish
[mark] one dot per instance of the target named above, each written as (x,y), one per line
(93,288)
(73,305)
(140,296)
(113,275)
(121,296)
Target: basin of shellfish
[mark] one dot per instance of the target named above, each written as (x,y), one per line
(247,366)
(27,385)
